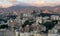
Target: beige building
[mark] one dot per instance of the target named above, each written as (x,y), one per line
(38,28)
(5,32)
(26,28)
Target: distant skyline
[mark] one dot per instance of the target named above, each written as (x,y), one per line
(9,3)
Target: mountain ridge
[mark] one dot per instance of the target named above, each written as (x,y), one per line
(18,7)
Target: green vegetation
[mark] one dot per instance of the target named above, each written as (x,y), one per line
(3,26)
(49,25)
(28,22)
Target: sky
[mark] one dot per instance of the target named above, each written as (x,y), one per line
(39,0)
(9,3)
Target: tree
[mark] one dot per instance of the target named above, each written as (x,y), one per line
(4,26)
(12,16)
(28,22)
(49,25)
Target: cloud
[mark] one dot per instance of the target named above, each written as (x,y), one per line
(42,3)
(38,3)
(12,1)
(7,3)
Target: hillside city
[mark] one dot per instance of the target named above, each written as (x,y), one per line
(30,23)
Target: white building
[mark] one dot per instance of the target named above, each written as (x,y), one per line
(39,19)
(53,35)
(54,17)
(26,16)
(22,34)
